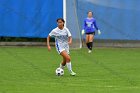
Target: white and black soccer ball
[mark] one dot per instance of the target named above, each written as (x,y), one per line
(59,72)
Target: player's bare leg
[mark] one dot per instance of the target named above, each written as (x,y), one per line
(87,38)
(68,62)
(62,65)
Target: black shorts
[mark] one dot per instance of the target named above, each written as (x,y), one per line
(92,33)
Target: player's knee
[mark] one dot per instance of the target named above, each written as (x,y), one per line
(68,59)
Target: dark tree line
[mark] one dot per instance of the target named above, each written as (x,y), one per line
(23,39)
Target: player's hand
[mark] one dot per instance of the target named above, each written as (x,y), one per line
(83,32)
(99,32)
(49,48)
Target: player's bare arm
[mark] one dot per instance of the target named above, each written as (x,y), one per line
(48,43)
(70,40)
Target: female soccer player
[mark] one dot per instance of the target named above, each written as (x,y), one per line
(62,40)
(89,28)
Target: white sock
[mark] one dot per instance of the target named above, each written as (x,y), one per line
(61,66)
(69,66)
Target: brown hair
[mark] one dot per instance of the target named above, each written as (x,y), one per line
(61,20)
(90,11)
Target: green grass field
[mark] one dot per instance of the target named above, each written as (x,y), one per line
(32,70)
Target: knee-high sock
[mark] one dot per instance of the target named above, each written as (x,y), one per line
(62,66)
(88,45)
(69,66)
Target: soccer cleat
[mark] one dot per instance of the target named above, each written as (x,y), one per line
(89,51)
(72,73)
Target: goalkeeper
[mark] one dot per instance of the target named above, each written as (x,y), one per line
(89,29)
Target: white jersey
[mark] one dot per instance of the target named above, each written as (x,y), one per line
(61,39)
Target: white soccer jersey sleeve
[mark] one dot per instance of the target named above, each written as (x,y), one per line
(69,34)
(53,33)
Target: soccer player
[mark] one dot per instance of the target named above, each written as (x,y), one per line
(62,40)
(89,29)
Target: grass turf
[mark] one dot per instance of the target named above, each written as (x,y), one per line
(106,70)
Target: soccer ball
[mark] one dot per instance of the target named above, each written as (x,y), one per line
(59,72)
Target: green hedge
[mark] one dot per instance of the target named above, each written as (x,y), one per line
(23,39)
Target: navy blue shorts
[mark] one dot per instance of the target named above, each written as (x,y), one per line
(92,33)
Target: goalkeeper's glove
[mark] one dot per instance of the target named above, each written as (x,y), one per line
(83,32)
(99,32)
